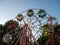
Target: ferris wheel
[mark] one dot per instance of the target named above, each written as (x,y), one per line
(27,28)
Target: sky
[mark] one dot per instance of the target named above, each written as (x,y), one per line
(10,8)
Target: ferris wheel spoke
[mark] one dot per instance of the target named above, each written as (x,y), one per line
(10,32)
(28,20)
(45,18)
(24,21)
(34,26)
(35,40)
(31,18)
(15,38)
(18,39)
(36,29)
(37,32)
(12,41)
(34,22)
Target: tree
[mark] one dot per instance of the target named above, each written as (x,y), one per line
(46,31)
(42,40)
(45,36)
(7,27)
(57,28)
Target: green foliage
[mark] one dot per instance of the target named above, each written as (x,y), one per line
(46,30)
(3,30)
(44,37)
(45,34)
(8,22)
(57,28)
(42,40)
